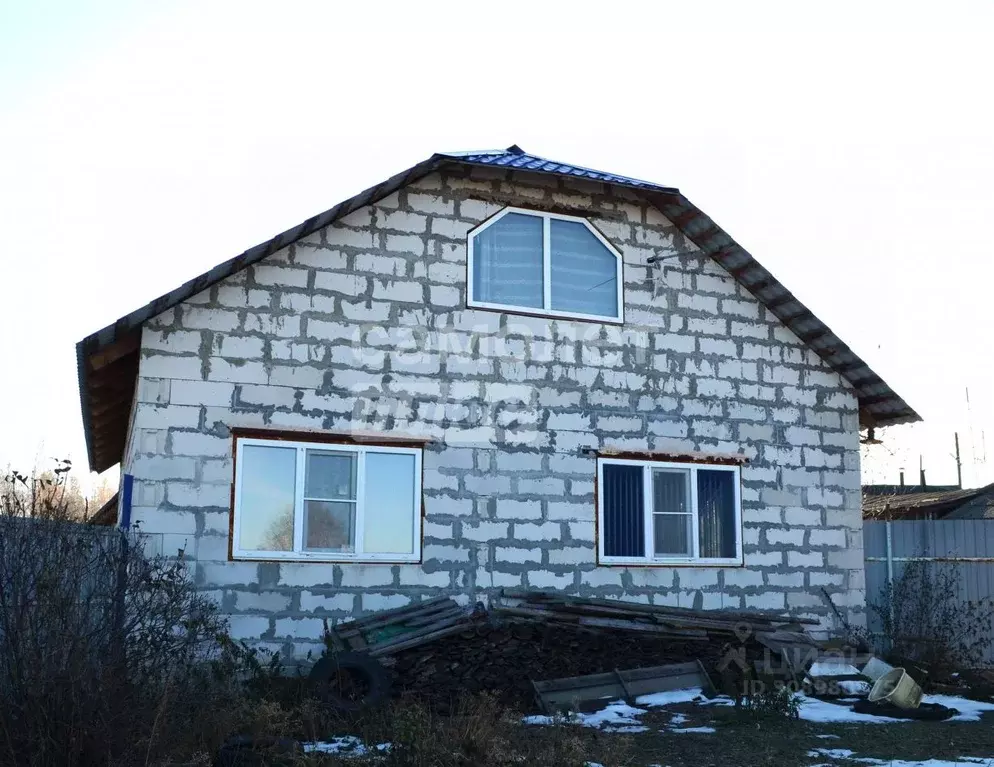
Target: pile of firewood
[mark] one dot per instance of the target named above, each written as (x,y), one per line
(439,649)
(505,658)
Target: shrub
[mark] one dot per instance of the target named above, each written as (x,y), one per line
(925,620)
(776,701)
(102,648)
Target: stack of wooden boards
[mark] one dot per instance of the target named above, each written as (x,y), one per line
(678,622)
(391,631)
(440,647)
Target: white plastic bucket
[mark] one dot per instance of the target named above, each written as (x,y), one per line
(898,688)
(875,669)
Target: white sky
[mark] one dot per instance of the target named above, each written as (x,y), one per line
(849,147)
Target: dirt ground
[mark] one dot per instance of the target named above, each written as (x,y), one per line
(739,740)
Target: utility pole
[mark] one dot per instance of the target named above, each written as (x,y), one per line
(959,464)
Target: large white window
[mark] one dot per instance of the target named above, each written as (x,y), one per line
(544,263)
(651,512)
(327,502)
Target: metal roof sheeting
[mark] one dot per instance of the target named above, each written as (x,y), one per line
(517,159)
(105,415)
(972,503)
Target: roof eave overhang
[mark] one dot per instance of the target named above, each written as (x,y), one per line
(879,405)
(105,436)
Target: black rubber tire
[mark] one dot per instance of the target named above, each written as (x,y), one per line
(368,669)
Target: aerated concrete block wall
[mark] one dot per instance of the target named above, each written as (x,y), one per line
(363,326)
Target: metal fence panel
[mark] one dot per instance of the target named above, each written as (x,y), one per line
(967,545)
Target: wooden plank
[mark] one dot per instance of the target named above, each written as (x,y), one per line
(732,616)
(426,631)
(647,628)
(418,641)
(533,613)
(573,692)
(853,659)
(582,697)
(649,672)
(789,637)
(389,616)
(628,691)
(541,700)
(424,620)
(726,627)
(551,617)
(708,687)
(574,682)
(669,682)
(114,351)
(674,622)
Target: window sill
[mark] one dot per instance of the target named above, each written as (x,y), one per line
(660,562)
(339,559)
(545,313)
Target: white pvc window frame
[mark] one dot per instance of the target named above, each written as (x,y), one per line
(301,555)
(647,514)
(546,309)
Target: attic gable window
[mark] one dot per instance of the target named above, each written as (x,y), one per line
(662,513)
(544,263)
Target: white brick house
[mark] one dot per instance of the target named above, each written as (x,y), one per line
(490,370)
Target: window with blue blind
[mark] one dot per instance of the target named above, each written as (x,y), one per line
(652,512)
(544,263)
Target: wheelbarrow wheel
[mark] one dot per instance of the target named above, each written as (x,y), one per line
(350,681)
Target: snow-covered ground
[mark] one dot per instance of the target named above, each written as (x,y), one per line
(850,756)
(348,745)
(815,710)
(618,716)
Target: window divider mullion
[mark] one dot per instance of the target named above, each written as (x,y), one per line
(695,534)
(298,505)
(360,502)
(648,511)
(547,262)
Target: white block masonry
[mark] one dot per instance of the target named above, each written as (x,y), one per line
(363,326)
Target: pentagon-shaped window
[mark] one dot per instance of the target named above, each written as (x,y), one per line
(544,263)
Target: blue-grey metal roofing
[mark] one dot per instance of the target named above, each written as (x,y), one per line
(517,159)
(879,404)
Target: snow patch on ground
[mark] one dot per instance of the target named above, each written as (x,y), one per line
(348,745)
(815,710)
(844,753)
(689,695)
(832,753)
(969,710)
(618,716)
(855,688)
